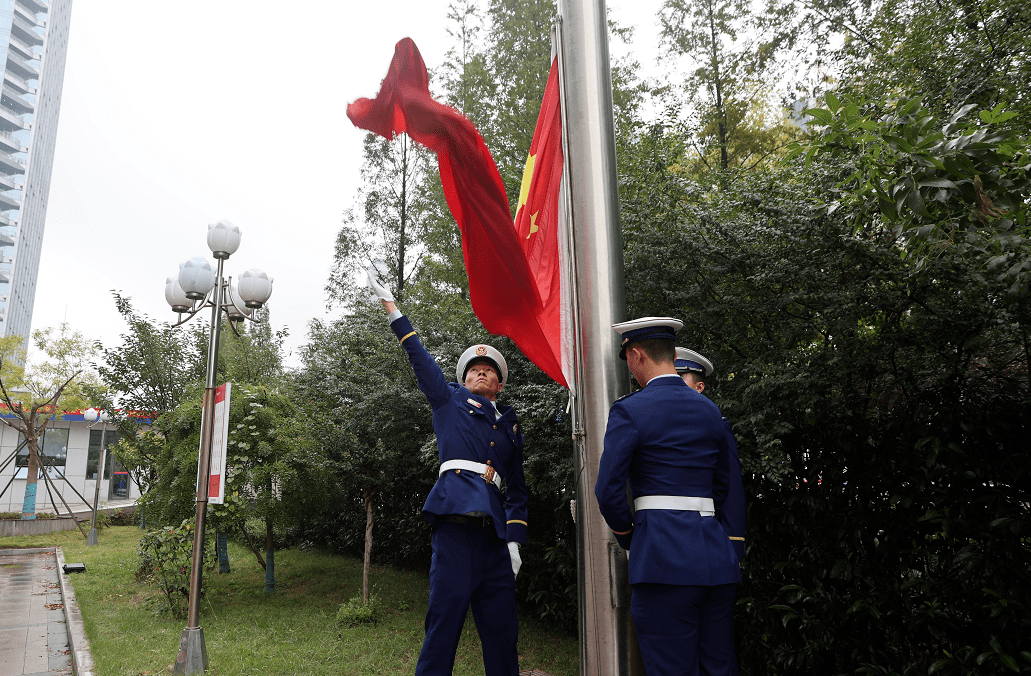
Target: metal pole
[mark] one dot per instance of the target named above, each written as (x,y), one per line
(193,654)
(92,539)
(608,645)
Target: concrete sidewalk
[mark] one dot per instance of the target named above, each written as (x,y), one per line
(33,629)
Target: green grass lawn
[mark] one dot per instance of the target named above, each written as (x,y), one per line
(291,632)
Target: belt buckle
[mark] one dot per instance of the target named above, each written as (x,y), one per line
(488,476)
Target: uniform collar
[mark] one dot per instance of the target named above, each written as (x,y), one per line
(486,406)
(659,379)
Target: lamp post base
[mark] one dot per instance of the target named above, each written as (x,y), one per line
(193,655)
(91,539)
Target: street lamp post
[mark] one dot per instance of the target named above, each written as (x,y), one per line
(196,287)
(92,416)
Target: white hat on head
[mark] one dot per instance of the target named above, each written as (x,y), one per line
(481,352)
(688,361)
(646,328)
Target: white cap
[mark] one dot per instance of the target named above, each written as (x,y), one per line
(690,361)
(481,352)
(646,328)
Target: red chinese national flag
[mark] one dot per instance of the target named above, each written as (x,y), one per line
(539,220)
(502,287)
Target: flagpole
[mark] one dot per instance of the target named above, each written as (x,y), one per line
(608,645)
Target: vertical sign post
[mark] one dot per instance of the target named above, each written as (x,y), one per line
(219,440)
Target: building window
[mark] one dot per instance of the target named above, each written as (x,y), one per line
(110,438)
(54,448)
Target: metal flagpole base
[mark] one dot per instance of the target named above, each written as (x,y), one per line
(193,655)
(91,539)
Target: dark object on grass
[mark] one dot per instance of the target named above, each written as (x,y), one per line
(74,568)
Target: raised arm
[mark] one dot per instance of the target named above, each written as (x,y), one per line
(427,372)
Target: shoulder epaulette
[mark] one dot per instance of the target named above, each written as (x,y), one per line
(628,394)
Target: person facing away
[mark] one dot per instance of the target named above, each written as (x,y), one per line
(669,442)
(694,369)
(477,529)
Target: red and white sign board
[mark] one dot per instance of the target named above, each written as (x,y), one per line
(219,439)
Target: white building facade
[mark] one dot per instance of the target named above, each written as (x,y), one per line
(33,46)
(72,450)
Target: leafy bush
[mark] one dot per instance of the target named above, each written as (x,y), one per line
(882,409)
(355,611)
(103,520)
(120,517)
(165,557)
(17,515)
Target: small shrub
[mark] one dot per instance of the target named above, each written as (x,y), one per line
(45,515)
(256,529)
(355,611)
(121,518)
(10,515)
(165,557)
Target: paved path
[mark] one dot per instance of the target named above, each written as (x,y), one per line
(33,629)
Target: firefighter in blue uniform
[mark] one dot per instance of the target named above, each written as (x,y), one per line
(694,369)
(670,443)
(477,529)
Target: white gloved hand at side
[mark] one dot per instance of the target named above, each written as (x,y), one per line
(513,552)
(378,289)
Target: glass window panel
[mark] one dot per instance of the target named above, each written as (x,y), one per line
(54,449)
(110,439)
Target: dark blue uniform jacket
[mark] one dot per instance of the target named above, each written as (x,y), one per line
(668,439)
(466,429)
(732,514)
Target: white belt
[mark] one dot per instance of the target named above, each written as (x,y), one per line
(703,506)
(478,467)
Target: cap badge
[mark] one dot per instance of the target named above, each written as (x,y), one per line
(474,402)
(481,351)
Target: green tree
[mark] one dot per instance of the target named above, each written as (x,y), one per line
(155,364)
(275,472)
(37,393)
(726,111)
(952,53)
(959,186)
(876,381)
(149,374)
(251,351)
(379,430)
(392,205)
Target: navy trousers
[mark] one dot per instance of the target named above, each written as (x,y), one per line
(685,630)
(470,567)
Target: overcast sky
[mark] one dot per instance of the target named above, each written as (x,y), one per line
(175,115)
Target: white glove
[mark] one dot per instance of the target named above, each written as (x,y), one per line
(513,551)
(378,289)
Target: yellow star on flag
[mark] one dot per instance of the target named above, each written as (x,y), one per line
(524,193)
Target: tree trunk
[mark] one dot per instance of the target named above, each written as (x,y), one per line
(721,113)
(254,547)
(222,547)
(368,495)
(28,507)
(270,563)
